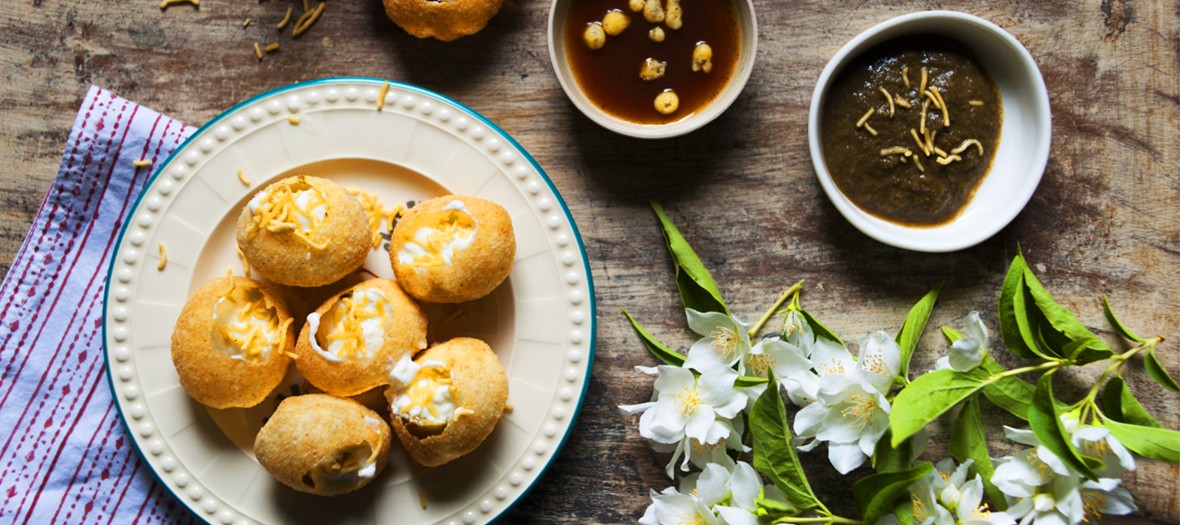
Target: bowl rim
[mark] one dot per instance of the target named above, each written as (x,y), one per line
(930,238)
(743,70)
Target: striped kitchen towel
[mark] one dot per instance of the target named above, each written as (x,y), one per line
(64,455)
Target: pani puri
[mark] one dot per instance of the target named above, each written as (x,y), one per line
(446,402)
(445,20)
(304,231)
(230,345)
(452,249)
(323,445)
(350,342)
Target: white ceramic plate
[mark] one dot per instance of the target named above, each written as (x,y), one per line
(540,322)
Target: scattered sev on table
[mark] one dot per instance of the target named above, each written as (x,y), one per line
(165,4)
(307,19)
(242,178)
(141,163)
(381,95)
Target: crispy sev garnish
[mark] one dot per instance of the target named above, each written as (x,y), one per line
(930,134)
(509,407)
(939,152)
(242,178)
(163,258)
(305,7)
(933,99)
(280,211)
(294,120)
(258,50)
(905,76)
(975,103)
(381,95)
(889,99)
(169,3)
(967,144)
(141,163)
(246,23)
(918,163)
(422,498)
(946,115)
(947,160)
(870,129)
(918,141)
(378,214)
(245,263)
(307,19)
(286,18)
(865,118)
(922,120)
(896,150)
(922,84)
(271,47)
(902,102)
(294,357)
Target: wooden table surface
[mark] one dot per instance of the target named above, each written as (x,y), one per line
(1105,219)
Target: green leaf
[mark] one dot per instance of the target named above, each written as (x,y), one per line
(903,510)
(818,328)
(887,458)
(969,441)
(926,398)
(770,510)
(1157,372)
(1160,444)
(697,289)
(878,494)
(1064,322)
(663,353)
(774,449)
(912,328)
(1117,324)
(951,334)
(748,381)
(1009,393)
(1120,404)
(1045,420)
(1014,313)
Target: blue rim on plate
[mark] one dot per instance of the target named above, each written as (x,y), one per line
(576,236)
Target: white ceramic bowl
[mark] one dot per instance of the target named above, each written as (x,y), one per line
(559,13)
(1020,156)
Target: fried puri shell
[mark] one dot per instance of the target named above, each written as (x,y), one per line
(445,20)
(214,378)
(404,332)
(479,387)
(320,444)
(475,271)
(286,259)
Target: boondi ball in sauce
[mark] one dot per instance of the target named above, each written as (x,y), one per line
(909,129)
(627,54)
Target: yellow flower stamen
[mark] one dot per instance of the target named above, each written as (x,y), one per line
(862,410)
(724,342)
(687,400)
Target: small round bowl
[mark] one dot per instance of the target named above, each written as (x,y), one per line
(559,13)
(1021,153)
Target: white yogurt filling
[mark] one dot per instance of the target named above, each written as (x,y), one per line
(416,247)
(372,332)
(405,378)
(232,330)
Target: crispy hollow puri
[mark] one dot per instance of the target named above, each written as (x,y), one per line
(211,377)
(478,384)
(404,332)
(445,20)
(284,258)
(323,445)
(475,271)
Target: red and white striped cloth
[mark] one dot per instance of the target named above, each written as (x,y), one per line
(64,455)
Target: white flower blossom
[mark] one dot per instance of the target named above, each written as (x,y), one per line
(844,398)
(1043,489)
(689,406)
(698,454)
(717,495)
(968,352)
(726,340)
